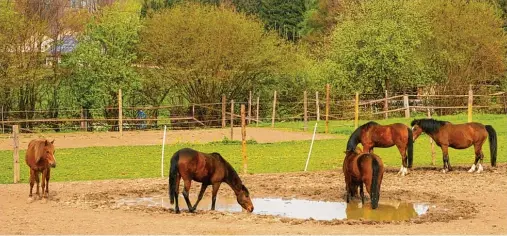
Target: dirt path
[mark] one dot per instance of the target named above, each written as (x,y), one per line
(136,138)
(464,204)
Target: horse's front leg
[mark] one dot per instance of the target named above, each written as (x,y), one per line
(201,194)
(43,184)
(48,175)
(216,186)
(32,181)
(37,180)
(447,165)
(361,191)
(404,163)
(186,190)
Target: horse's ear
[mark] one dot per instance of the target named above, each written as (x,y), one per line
(53,141)
(359,150)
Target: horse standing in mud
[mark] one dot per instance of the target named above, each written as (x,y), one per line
(459,136)
(40,158)
(359,169)
(209,169)
(372,135)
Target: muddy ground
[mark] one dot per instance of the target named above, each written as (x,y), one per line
(464,203)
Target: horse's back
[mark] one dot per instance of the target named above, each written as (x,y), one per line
(199,166)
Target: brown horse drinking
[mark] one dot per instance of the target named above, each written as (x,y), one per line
(40,157)
(359,169)
(372,135)
(209,169)
(459,136)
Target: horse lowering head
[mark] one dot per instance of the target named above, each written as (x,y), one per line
(48,153)
(243,197)
(416,129)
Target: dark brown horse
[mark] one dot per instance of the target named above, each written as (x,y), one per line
(209,169)
(40,157)
(359,169)
(459,136)
(372,135)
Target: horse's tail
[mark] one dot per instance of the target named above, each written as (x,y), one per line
(374,191)
(492,143)
(173,173)
(354,139)
(410,148)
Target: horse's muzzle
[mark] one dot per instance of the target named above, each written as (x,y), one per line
(53,165)
(250,209)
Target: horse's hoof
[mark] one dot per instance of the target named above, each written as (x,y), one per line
(44,200)
(177,211)
(30,200)
(444,170)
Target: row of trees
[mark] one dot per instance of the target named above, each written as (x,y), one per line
(174,51)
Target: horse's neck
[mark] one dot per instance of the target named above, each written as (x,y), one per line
(233,180)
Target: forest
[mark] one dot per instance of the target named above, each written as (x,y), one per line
(63,56)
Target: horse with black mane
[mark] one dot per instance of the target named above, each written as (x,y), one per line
(209,169)
(372,135)
(359,169)
(458,136)
(40,158)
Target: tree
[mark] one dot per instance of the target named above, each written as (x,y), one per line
(102,61)
(467,44)
(376,46)
(283,16)
(210,51)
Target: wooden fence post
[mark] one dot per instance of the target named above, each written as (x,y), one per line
(243,139)
(257,113)
(386,107)
(470,103)
(223,110)
(356,113)
(3,125)
(305,108)
(82,119)
(274,111)
(232,120)
(15,132)
(406,106)
(250,107)
(120,113)
(432,144)
(317,108)
(327,108)
(505,103)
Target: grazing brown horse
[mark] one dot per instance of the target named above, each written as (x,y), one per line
(372,135)
(359,169)
(40,157)
(459,136)
(209,169)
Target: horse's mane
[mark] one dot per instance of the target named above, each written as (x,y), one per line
(231,175)
(355,137)
(429,126)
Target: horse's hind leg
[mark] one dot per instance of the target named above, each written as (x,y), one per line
(47,182)
(479,155)
(37,181)
(186,190)
(404,164)
(177,194)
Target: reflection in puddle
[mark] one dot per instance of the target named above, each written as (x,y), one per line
(297,208)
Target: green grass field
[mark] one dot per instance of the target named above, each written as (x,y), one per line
(144,161)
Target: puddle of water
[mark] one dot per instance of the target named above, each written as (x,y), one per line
(297,208)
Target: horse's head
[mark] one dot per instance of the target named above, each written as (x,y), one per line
(243,197)
(49,153)
(416,129)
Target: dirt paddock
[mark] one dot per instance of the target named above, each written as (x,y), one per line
(462,203)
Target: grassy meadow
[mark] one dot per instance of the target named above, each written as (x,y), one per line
(95,163)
